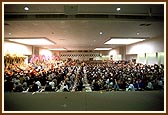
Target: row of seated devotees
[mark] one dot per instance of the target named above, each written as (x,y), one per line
(84,76)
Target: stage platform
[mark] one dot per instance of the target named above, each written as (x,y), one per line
(85,101)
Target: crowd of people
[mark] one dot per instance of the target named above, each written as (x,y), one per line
(73,76)
(122,75)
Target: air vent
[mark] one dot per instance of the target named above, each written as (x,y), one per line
(6,24)
(50,16)
(80,16)
(15,17)
(144,24)
(148,24)
(92,16)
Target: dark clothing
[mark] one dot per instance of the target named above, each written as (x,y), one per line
(8,86)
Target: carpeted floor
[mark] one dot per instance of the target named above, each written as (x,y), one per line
(85,101)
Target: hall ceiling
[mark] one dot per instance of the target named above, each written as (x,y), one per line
(78,26)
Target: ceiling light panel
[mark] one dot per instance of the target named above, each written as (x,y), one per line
(102,48)
(123,41)
(58,49)
(40,41)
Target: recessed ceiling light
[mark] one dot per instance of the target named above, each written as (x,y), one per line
(35,41)
(138,33)
(118,9)
(100,32)
(102,48)
(10,33)
(26,8)
(123,41)
(58,49)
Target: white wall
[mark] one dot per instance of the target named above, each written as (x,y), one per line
(141,58)
(15,48)
(151,58)
(148,52)
(114,52)
(131,56)
(148,46)
(161,57)
(45,52)
(115,55)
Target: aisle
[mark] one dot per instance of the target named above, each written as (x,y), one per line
(86,85)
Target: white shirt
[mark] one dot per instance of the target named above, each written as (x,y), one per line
(38,83)
(52,84)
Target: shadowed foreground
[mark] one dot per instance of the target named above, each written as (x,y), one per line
(85,101)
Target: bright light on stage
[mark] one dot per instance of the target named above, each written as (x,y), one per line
(36,41)
(123,41)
